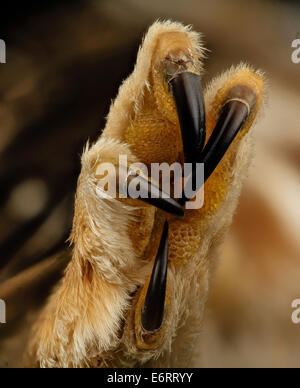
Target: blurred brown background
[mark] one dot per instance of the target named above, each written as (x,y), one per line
(65,62)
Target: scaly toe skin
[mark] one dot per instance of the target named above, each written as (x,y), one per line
(242,93)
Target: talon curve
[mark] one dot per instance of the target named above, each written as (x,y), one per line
(231,120)
(156,197)
(234,113)
(153,311)
(187,92)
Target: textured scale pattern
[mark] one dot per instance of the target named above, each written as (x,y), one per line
(154,136)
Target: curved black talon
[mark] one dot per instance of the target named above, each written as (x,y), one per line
(187,92)
(154,196)
(231,120)
(153,310)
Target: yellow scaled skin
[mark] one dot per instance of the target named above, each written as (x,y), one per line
(155,137)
